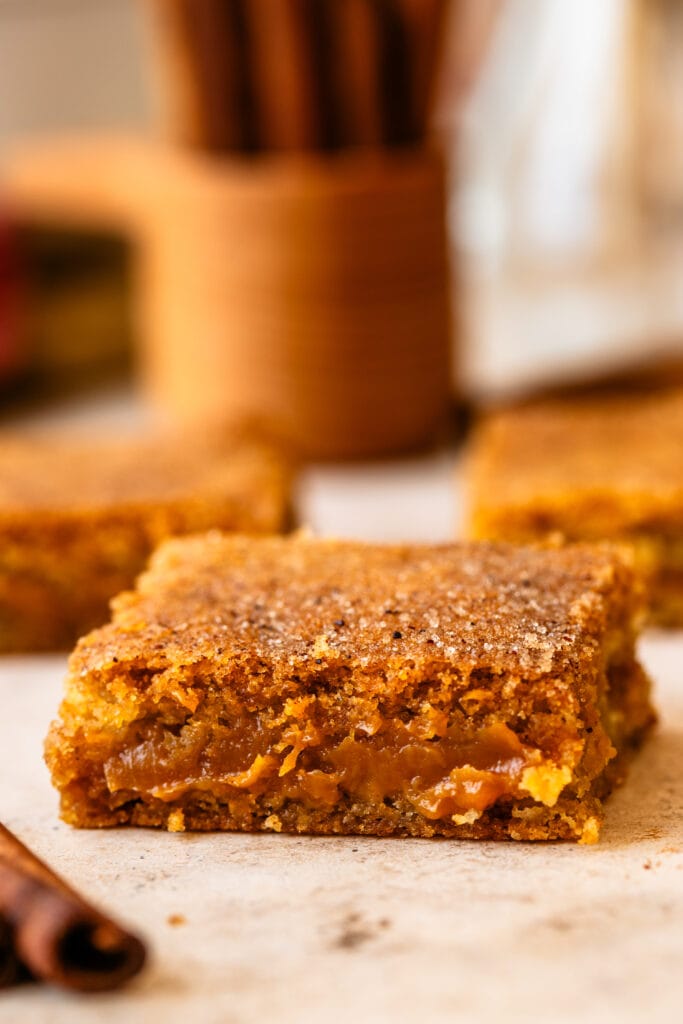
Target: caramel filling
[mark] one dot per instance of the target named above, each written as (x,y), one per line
(455,775)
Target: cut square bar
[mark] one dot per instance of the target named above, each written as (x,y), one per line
(78,520)
(303,685)
(587,469)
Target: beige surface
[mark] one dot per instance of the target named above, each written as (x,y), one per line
(303,929)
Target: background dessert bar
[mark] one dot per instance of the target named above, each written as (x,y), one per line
(606,467)
(78,520)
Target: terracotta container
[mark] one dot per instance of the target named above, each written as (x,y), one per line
(309,293)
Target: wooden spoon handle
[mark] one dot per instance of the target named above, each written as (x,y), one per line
(395,78)
(426,23)
(282,75)
(358,40)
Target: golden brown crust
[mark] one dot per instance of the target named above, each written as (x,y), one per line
(329,686)
(78,520)
(480,607)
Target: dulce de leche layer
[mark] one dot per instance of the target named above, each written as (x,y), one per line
(308,685)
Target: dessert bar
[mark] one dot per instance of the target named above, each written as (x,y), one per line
(304,685)
(79,520)
(586,469)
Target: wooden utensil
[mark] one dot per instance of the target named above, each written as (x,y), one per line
(300,74)
(426,23)
(282,75)
(357,41)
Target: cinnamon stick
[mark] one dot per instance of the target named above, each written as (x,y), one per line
(317,18)
(395,75)
(426,20)
(213,48)
(358,34)
(246,90)
(283,81)
(55,933)
(9,964)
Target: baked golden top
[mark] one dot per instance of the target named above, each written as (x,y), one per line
(277,609)
(71,477)
(624,450)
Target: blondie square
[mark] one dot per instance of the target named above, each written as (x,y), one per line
(606,467)
(304,685)
(79,520)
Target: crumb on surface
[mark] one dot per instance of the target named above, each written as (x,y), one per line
(591,832)
(176,821)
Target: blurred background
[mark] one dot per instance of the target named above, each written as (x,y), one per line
(236,208)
